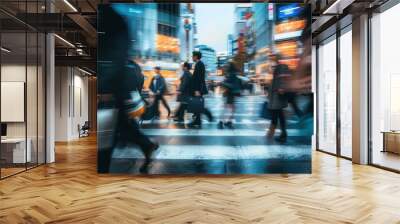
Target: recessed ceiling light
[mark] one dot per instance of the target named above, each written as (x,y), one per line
(5,50)
(337,7)
(70,5)
(84,71)
(64,40)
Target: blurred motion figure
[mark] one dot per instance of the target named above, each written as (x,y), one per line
(183,92)
(232,86)
(119,88)
(277,97)
(158,86)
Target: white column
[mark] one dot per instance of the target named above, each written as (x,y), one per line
(360,90)
(50,99)
(50,92)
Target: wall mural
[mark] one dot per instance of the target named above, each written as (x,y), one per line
(204,88)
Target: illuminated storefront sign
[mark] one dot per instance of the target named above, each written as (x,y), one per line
(290,26)
(287,48)
(288,35)
(248,15)
(291,63)
(167,44)
(288,11)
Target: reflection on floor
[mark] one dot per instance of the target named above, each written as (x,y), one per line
(245,149)
(11,169)
(5,172)
(386,159)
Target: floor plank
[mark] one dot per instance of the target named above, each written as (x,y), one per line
(70,191)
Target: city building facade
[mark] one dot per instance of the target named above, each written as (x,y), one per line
(155,35)
(209,57)
(263,34)
(289,24)
(222,59)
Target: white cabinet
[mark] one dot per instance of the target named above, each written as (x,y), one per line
(17,147)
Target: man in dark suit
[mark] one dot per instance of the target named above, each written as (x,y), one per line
(158,86)
(198,86)
(183,92)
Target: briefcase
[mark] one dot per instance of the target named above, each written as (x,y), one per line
(265,111)
(182,98)
(195,105)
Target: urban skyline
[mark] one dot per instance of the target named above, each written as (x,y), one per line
(216,19)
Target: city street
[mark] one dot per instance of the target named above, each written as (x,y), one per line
(254,49)
(209,150)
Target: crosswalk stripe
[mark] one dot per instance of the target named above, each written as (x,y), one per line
(235,121)
(244,121)
(200,152)
(217,132)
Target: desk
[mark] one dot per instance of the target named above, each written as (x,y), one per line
(391,141)
(13,150)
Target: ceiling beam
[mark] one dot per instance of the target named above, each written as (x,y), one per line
(86,27)
(78,61)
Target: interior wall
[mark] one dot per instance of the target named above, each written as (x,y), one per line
(16,73)
(62,82)
(31,127)
(71,102)
(80,110)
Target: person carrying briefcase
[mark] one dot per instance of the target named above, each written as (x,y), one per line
(198,89)
(183,92)
(195,105)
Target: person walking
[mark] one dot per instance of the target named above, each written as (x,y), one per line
(277,98)
(158,86)
(183,92)
(199,87)
(292,100)
(231,86)
(117,87)
(134,69)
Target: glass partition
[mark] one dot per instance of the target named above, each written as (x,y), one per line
(385,89)
(14,153)
(327,95)
(22,88)
(31,97)
(346,93)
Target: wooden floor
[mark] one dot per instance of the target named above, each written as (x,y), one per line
(8,171)
(70,191)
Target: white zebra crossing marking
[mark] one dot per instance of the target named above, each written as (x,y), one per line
(223,152)
(244,121)
(216,132)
